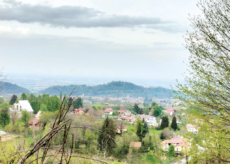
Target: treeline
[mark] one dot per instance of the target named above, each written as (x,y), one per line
(119,89)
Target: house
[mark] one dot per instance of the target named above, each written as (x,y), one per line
(107,104)
(108,111)
(169,112)
(121,111)
(38,115)
(179,144)
(135,144)
(191,128)
(127,113)
(121,128)
(149,119)
(78,111)
(34,122)
(23,105)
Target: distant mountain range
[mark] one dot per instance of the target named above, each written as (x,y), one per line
(10,89)
(117,88)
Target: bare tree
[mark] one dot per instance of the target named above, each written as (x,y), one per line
(14,117)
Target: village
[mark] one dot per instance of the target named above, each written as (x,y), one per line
(122,111)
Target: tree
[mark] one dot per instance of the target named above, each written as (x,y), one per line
(25,117)
(23,96)
(60,97)
(106,139)
(4,115)
(14,118)
(43,108)
(13,99)
(166,134)
(171,150)
(157,111)
(164,122)
(174,124)
(139,130)
(1,100)
(78,103)
(146,111)
(99,107)
(136,108)
(206,93)
(153,104)
(145,129)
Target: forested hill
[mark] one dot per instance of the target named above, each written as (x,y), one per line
(8,89)
(119,88)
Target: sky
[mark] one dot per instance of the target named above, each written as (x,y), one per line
(141,39)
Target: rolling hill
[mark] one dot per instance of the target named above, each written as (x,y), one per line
(9,89)
(118,88)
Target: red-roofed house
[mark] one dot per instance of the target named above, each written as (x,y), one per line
(78,111)
(33,121)
(135,144)
(121,111)
(121,128)
(169,112)
(108,111)
(179,144)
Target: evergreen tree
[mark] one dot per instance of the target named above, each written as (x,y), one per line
(171,151)
(164,122)
(139,129)
(136,108)
(174,124)
(106,139)
(13,99)
(78,103)
(145,129)
(23,96)
(4,115)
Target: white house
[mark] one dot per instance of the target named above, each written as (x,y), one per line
(149,119)
(191,128)
(23,105)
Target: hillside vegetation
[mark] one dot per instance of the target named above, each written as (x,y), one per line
(118,88)
(8,88)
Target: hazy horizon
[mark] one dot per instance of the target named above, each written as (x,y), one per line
(136,41)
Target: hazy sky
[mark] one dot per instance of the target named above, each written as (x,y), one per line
(95,38)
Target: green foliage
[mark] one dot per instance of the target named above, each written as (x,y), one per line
(43,108)
(44,103)
(60,96)
(157,111)
(206,93)
(4,114)
(25,117)
(23,96)
(136,109)
(164,122)
(146,110)
(154,104)
(78,103)
(13,99)
(1,100)
(171,151)
(106,138)
(145,129)
(12,88)
(139,129)
(121,89)
(174,124)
